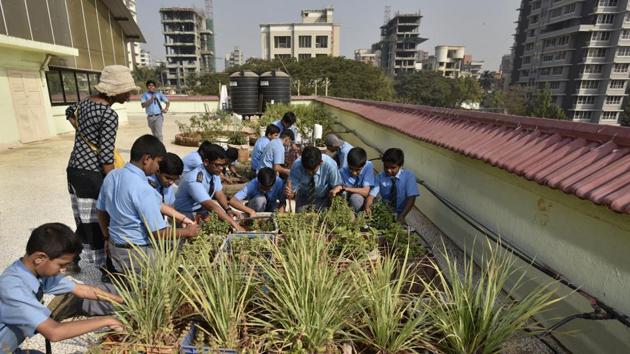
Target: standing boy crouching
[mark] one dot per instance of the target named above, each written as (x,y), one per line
(395,185)
(263,194)
(49,250)
(357,178)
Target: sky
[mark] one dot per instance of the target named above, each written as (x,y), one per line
(484,27)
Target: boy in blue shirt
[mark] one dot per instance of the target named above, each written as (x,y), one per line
(199,187)
(313,181)
(357,178)
(195,159)
(127,205)
(171,168)
(50,248)
(263,194)
(272,132)
(152,103)
(339,148)
(287,122)
(273,155)
(395,185)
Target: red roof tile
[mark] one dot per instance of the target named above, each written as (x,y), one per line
(587,160)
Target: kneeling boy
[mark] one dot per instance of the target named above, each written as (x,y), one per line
(313,181)
(265,193)
(171,168)
(49,250)
(358,178)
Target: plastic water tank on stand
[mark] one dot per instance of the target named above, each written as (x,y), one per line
(244,92)
(275,86)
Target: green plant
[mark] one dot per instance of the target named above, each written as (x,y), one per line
(207,126)
(237,138)
(390,320)
(245,248)
(307,116)
(219,292)
(212,225)
(309,297)
(471,314)
(291,223)
(151,295)
(399,239)
(382,216)
(202,246)
(339,214)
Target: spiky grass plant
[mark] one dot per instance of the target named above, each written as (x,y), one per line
(390,320)
(219,291)
(307,298)
(473,315)
(151,294)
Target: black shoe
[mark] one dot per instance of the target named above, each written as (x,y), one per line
(73,268)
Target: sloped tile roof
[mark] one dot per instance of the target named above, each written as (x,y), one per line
(590,161)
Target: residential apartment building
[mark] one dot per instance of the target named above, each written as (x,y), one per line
(133,48)
(471,68)
(144,59)
(52,56)
(187,43)
(447,60)
(365,56)
(397,49)
(317,35)
(234,58)
(580,50)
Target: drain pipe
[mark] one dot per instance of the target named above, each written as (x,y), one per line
(601,311)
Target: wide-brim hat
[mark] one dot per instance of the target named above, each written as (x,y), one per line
(116,79)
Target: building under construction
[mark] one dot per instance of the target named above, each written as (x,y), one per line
(400,37)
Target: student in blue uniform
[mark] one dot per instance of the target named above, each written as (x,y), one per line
(287,122)
(127,205)
(155,104)
(274,153)
(171,168)
(339,148)
(195,159)
(357,178)
(272,132)
(263,194)
(395,185)
(199,187)
(313,181)
(50,248)
(230,173)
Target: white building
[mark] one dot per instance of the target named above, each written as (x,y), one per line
(133,48)
(447,60)
(365,56)
(315,36)
(144,59)
(234,58)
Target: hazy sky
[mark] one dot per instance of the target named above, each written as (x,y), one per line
(485,27)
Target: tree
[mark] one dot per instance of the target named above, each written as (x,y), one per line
(207,83)
(541,105)
(465,89)
(624,116)
(494,100)
(424,88)
(141,74)
(515,100)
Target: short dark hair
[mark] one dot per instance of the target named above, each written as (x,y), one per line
(210,151)
(171,164)
(147,145)
(289,118)
(394,155)
(272,129)
(311,157)
(266,177)
(357,157)
(232,154)
(55,240)
(149,82)
(287,133)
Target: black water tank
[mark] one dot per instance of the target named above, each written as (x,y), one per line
(275,86)
(244,92)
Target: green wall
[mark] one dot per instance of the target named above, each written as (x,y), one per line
(587,243)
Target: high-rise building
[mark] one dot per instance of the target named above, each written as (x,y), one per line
(579,50)
(505,70)
(448,60)
(365,56)
(234,58)
(144,58)
(316,36)
(397,48)
(186,40)
(133,48)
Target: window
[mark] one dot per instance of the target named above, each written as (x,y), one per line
(560,56)
(596,52)
(547,57)
(529,46)
(555,12)
(623,51)
(554,85)
(617,84)
(607,3)
(282,56)
(305,41)
(625,34)
(582,115)
(544,71)
(304,56)
(609,115)
(592,69)
(600,36)
(534,19)
(627,18)
(321,42)
(605,19)
(569,8)
(563,40)
(585,100)
(613,99)
(589,84)
(620,68)
(67,86)
(557,70)
(282,41)
(525,73)
(532,33)
(527,60)
(321,55)
(536,5)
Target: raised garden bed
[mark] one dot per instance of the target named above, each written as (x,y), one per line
(193,343)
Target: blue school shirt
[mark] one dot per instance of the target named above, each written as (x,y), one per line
(342,154)
(251,190)
(194,189)
(192,161)
(293,128)
(326,178)
(273,154)
(153,108)
(132,205)
(21,312)
(167,194)
(405,186)
(364,179)
(257,153)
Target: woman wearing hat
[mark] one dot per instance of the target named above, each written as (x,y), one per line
(92,156)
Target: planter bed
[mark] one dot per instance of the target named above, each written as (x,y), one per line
(188,345)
